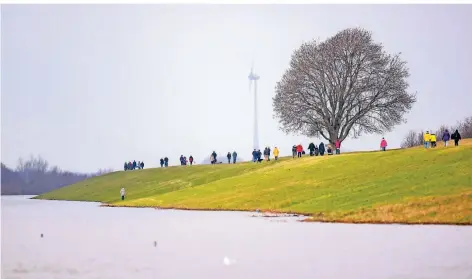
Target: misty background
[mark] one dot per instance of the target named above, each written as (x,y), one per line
(89,87)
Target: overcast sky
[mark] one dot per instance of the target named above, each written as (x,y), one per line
(90,86)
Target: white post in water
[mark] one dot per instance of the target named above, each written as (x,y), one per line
(253,78)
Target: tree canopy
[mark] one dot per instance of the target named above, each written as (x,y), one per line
(345,85)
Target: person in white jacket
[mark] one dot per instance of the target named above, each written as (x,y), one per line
(122,192)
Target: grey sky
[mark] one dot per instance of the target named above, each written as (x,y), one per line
(91,86)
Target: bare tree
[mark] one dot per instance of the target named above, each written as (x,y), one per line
(411,140)
(465,127)
(346,85)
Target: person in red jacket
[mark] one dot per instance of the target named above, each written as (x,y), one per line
(338,146)
(383,144)
(299,150)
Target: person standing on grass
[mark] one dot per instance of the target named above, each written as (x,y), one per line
(259,156)
(456,137)
(123,193)
(321,148)
(433,140)
(337,144)
(161,162)
(190,159)
(383,144)
(276,153)
(446,137)
(299,150)
(311,147)
(142,165)
(229,157)
(235,155)
(126,166)
(268,153)
(294,151)
(426,139)
(166,162)
(134,164)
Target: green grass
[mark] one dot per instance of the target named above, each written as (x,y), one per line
(399,186)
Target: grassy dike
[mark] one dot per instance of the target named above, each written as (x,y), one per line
(414,186)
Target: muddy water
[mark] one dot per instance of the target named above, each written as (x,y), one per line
(82,240)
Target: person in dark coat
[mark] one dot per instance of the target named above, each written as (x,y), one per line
(181,159)
(213,154)
(235,155)
(311,147)
(259,156)
(134,164)
(161,162)
(229,157)
(456,137)
(190,159)
(294,151)
(254,156)
(268,153)
(166,162)
(142,165)
(126,166)
(321,147)
(316,150)
(446,137)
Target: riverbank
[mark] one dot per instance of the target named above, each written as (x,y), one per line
(409,186)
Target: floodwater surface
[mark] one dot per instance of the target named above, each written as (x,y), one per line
(83,240)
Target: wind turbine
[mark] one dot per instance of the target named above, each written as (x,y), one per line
(253,78)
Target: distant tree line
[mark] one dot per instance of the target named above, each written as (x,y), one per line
(415,138)
(34,176)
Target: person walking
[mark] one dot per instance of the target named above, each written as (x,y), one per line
(456,137)
(166,162)
(268,153)
(433,140)
(254,156)
(161,162)
(294,151)
(311,147)
(190,159)
(276,153)
(321,148)
(229,157)
(383,144)
(338,146)
(446,137)
(426,139)
(123,193)
(265,153)
(299,150)
(235,155)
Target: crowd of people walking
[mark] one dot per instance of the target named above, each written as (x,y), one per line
(429,140)
(133,166)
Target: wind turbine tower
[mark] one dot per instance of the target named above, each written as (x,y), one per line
(253,78)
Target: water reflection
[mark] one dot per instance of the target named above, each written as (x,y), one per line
(82,240)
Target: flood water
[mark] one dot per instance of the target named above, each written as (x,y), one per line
(83,240)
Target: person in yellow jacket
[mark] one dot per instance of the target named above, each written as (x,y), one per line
(426,139)
(276,153)
(433,140)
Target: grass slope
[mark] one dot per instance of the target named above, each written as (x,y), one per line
(399,186)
